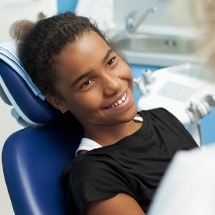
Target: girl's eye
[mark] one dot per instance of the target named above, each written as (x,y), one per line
(86,83)
(110,62)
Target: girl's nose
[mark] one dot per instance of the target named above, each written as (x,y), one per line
(111,84)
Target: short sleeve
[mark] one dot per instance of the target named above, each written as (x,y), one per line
(97,179)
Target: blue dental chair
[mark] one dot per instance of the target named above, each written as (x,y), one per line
(34,157)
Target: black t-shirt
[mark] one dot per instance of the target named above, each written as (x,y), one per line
(134,165)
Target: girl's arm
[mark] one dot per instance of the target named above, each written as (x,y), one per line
(121,204)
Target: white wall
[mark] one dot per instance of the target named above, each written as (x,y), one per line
(12,10)
(165,19)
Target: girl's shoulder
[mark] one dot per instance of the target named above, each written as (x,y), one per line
(155,111)
(158,113)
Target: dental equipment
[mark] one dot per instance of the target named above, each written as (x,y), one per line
(185,90)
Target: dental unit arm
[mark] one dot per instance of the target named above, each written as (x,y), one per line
(185,90)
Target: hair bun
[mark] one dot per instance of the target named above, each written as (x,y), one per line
(19,29)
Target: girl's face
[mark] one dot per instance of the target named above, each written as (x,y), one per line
(96,84)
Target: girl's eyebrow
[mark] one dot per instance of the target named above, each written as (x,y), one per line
(107,54)
(87,73)
(79,78)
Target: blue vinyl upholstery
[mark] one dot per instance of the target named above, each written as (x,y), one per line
(33,159)
(31,106)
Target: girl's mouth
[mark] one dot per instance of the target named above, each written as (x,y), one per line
(119,102)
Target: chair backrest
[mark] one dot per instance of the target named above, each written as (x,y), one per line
(33,159)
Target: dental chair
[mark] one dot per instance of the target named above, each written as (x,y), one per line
(34,157)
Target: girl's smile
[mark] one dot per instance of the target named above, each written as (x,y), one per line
(118,102)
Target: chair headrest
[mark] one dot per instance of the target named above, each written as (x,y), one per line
(23,95)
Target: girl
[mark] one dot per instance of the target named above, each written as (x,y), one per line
(123,154)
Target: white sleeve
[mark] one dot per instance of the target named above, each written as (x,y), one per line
(188,186)
(87,144)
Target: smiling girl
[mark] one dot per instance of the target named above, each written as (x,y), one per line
(123,154)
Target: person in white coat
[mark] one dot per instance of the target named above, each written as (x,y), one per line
(188,186)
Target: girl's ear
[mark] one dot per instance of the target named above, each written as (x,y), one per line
(57,103)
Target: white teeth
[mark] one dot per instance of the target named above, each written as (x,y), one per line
(119,102)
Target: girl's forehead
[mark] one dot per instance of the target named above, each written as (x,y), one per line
(84,53)
(87,46)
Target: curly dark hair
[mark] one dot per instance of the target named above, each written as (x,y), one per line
(40,42)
